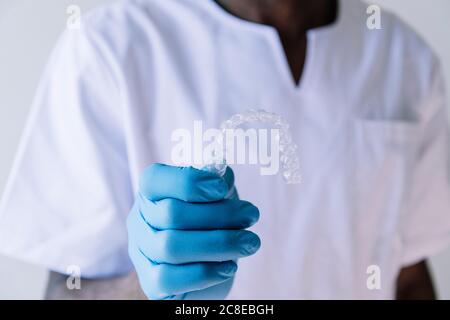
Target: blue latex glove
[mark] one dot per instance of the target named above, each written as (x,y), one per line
(184,237)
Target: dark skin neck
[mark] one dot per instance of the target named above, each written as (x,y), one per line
(291,18)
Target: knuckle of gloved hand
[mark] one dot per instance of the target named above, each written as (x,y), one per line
(154,282)
(167,247)
(168,217)
(147,175)
(188,183)
(162,282)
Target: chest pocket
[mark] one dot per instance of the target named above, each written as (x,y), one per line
(384,153)
(380,143)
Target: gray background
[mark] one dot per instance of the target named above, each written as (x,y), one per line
(28,31)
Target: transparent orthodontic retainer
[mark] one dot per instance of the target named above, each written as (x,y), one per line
(289,161)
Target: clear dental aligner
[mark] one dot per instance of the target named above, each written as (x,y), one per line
(290,163)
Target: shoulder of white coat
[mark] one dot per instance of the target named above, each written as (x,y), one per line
(116,22)
(404,56)
(398,34)
(415,46)
(421,64)
(123,24)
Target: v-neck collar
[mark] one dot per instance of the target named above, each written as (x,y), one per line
(270,33)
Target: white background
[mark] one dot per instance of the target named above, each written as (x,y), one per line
(29,29)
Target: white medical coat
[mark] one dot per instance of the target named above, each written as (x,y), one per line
(369,117)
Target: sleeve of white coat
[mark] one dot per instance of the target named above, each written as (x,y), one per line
(69,189)
(426,225)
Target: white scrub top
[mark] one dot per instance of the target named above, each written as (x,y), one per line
(369,117)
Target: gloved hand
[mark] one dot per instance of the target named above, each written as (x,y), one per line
(184,237)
